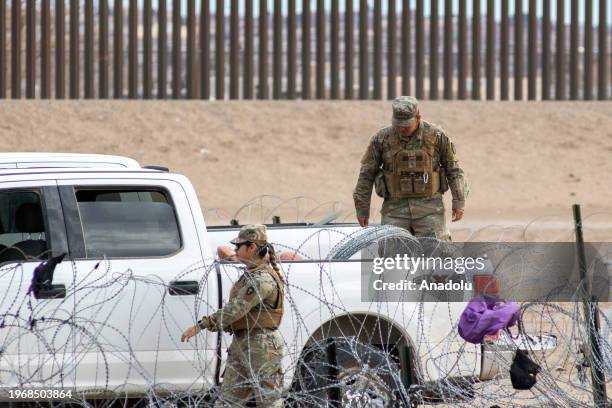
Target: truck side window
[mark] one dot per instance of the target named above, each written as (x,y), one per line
(132,223)
(22,226)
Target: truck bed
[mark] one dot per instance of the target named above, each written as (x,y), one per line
(309,240)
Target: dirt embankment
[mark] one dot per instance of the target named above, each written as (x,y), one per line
(523,160)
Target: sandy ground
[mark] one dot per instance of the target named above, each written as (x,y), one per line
(526,162)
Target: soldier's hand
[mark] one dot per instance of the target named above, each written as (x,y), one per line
(189,333)
(363,221)
(457,214)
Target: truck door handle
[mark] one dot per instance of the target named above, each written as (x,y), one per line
(54,291)
(183,288)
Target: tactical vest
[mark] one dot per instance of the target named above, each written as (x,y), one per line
(262,316)
(411,171)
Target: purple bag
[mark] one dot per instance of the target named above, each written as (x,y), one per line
(485,316)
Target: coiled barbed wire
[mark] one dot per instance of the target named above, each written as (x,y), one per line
(367,354)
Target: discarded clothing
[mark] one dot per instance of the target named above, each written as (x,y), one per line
(484,316)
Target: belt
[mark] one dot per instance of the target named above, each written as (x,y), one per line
(254,330)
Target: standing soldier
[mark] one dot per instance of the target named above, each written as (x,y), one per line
(411,164)
(253,371)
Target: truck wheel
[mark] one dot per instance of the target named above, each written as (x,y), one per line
(361,376)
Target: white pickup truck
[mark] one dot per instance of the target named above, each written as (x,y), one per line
(141,267)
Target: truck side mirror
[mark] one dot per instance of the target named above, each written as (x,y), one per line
(42,280)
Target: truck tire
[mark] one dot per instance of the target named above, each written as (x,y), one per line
(362,376)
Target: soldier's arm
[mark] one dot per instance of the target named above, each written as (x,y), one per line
(454,174)
(250,295)
(370,163)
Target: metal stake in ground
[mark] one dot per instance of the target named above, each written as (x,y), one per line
(590,311)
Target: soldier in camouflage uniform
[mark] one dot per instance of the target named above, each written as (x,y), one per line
(411,164)
(253,370)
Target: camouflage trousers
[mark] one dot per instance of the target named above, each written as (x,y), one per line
(423,217)
(253,370)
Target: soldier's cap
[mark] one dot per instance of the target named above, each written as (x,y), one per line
(255,233)
(405,109)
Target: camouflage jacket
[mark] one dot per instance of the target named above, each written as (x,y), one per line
(254,286)
(372,162)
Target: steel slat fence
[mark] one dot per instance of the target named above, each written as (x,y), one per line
(326,49)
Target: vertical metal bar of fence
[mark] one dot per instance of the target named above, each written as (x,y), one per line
(31,49)
(518,50)
(503,57)
(532,51)
(262,86)
(306,49)
(602,64)
(490,57)
(476,50)
(192,66)
(234,51)
(546,50)
(147,56)
(2,49)
(162,50)
(60,50)
(377,50)
(406,49)
(133,50)
(574,51)
(176,49)
(420,50)
(75,63)
(588,50)
(433,50)
(277,44)
(462,62)
(118,50)
(335,50)
(89,50)
(320,52)
(205,49)
(448,49)
(291,50)
(16,49)
(391,50)
(45,52)
(220,50)
(560,52)
(364,78)
(247,80)
(349,51)
(103,52)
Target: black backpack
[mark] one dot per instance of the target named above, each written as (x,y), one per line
(523,371)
